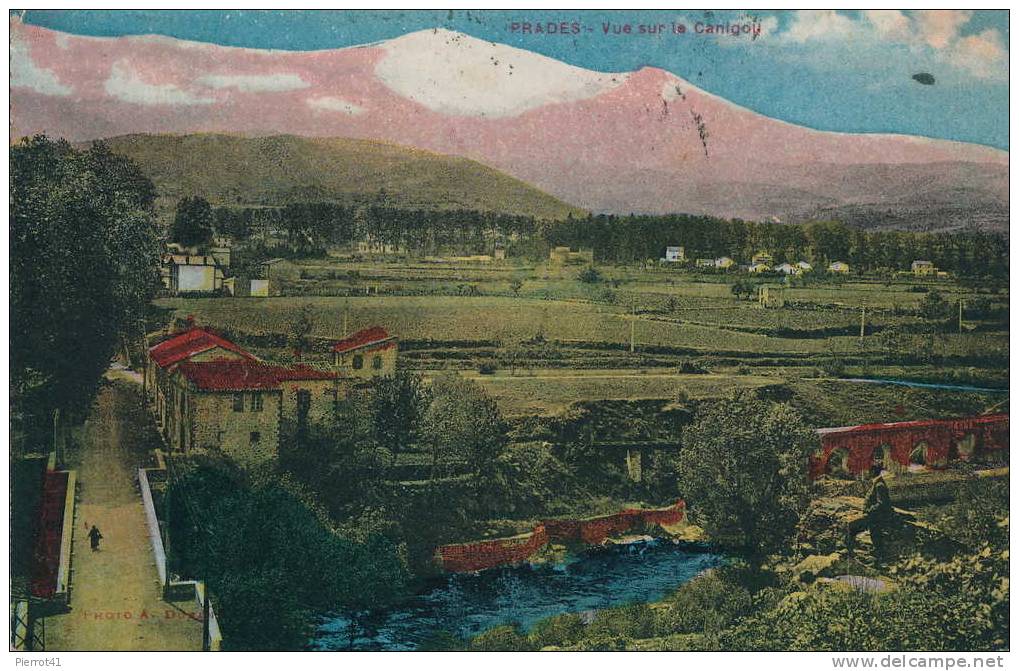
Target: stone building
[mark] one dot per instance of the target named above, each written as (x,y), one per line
(210,394)
(366,354)
(244,408)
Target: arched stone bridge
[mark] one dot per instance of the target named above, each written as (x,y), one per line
(858,450)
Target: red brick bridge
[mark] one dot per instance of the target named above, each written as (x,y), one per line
(857,450)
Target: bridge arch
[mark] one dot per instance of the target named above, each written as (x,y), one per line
(882,460)
(838,463)
(918,455)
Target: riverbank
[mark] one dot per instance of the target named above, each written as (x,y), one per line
(460,606)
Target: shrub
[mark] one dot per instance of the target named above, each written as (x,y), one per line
(631,621)
(507,638)
(589,275)
(706,604)
(691,367)
(486,368)
(558,630)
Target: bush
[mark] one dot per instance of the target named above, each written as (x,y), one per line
(707,604)
(691,367)
(558,630)
(589,275)
(486,368)
(507,638)
(632,621)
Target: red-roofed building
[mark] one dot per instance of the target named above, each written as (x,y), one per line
(192,344)
(368,353)
(212,395)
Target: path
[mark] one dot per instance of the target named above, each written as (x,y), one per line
(116,601)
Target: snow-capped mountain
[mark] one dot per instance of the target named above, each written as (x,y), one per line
(646,141)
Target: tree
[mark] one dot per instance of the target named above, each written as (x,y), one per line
(515,285)
(84,265)
(396,406)
(743,471)
(192,222)
(299,337)
(934,307)
(463,424)
(589,275)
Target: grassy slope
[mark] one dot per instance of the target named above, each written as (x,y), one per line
(236,170)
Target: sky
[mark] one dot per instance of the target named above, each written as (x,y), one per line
(840,71)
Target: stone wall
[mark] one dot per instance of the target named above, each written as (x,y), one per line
(215,425)
(482,555)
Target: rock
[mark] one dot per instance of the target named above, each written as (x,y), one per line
(815,566)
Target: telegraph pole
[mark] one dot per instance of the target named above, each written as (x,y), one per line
(960,316)
(863,321)
(633,330)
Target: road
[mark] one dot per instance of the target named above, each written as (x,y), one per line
(116,601)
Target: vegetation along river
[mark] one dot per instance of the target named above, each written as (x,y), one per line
(471,603)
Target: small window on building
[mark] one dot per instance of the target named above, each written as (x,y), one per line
(358,362)
(255,437)
(238,402)
(377,362)
(256,403)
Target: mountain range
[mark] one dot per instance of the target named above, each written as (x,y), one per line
(644,141)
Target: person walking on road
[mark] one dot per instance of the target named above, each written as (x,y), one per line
(93,537)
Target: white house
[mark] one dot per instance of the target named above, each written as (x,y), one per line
(788,269)
(724,262)
(675,254)
(838,267)
(804,267)
(199,273)
(759,268)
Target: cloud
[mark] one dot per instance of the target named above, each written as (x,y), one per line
(984,54)
(255,83)
(890,24)
(941,27)
(26,74)
(125,85)
(333,104)
(871,37)
(813,24)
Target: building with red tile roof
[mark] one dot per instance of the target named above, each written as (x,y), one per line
(369,353)
(212,395)
(192,342)
(245,375)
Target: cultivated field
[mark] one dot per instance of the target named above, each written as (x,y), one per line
(547,339)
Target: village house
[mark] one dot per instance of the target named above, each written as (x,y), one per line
(724,262)
(705,263)
(210,394)
(838,267)
(245,286)
(562,256)
(192,344)
(368,353)
(674,255)
(924,268)
(244,408)
(759,268)
(199,273)
(762,258)
(788,269)
(804,266)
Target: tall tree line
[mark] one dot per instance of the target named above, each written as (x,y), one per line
(310,227)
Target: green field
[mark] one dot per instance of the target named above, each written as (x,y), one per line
(586,331)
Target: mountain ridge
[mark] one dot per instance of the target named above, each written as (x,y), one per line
(239,170)
(644,141)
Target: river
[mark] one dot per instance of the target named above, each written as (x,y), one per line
(471,603)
